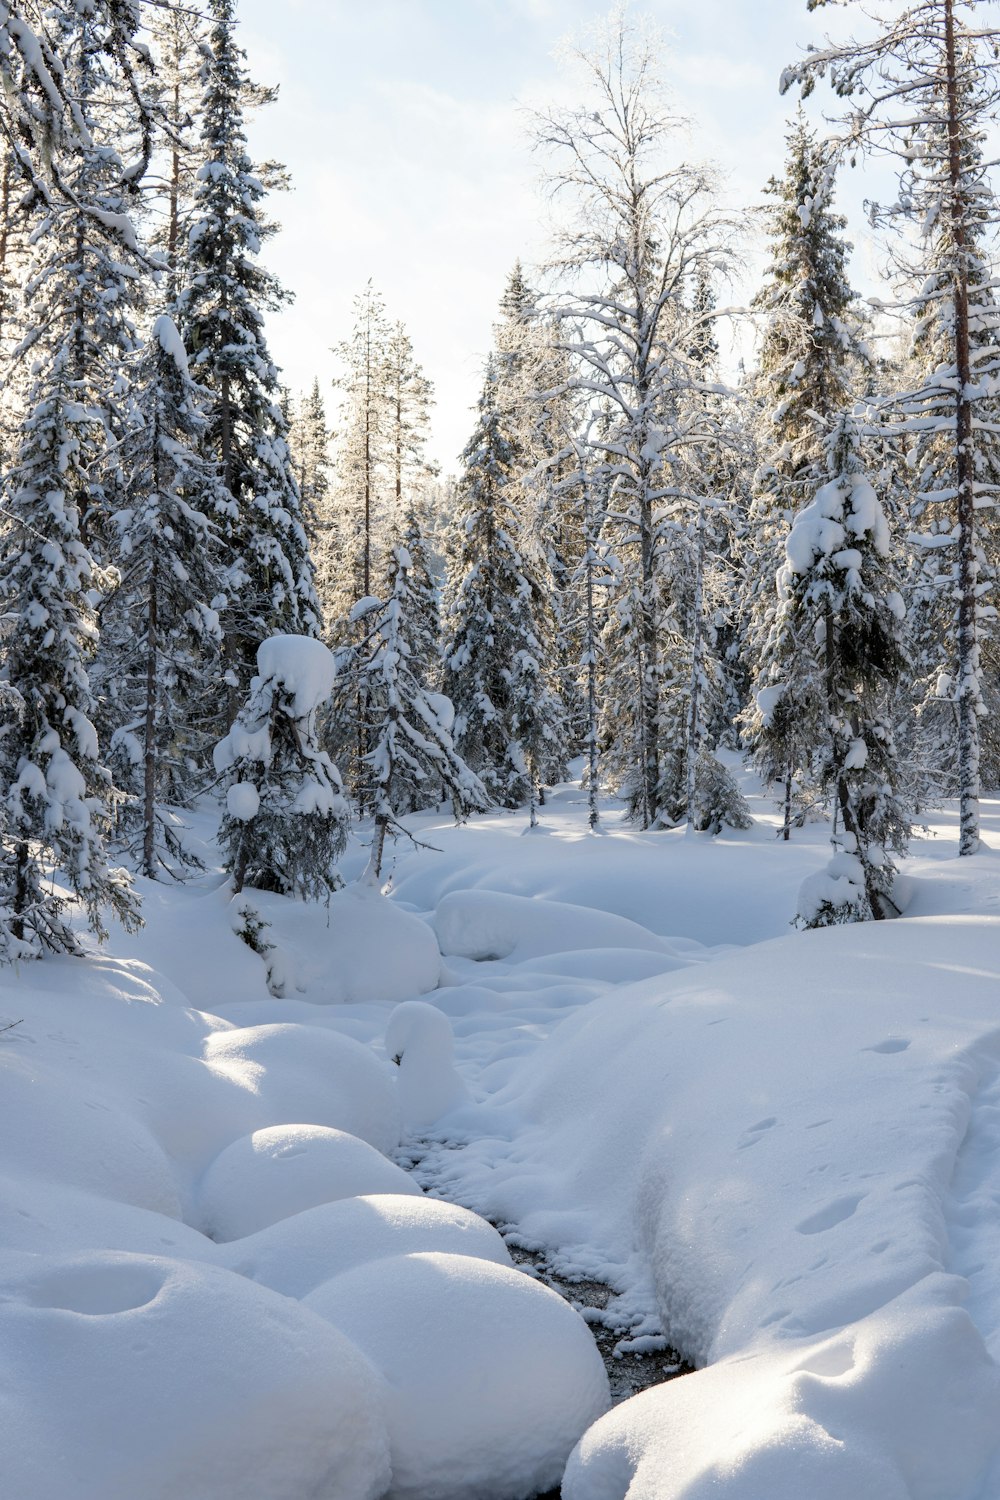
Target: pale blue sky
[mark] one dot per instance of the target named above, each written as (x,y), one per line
(399,120)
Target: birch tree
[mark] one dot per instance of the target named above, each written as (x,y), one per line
(638,228)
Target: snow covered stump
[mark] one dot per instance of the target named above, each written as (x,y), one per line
(419,1040)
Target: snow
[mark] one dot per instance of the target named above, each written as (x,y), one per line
(166,334)
(419,1040)
(304,667)
(275,1173)
(293,1256)
(781,1154)
(130,1375)
(499,1428)
(243,801)
(303,1071)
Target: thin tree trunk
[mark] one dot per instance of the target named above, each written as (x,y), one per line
(693,693)
(149,746)
(967,569)
(21,863)
(786,827)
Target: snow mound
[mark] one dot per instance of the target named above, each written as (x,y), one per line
(296,1254)
(488,925)
(303,666)
(376,951)
(306,1072)
(419,1039)
(491,1377)
(51,1218)
(913,1436)
(275,1173)
(129,1375)
(57,1123)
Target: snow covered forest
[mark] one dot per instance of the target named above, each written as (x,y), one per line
(419,891)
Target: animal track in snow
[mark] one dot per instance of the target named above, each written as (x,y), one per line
(891,1044)
(832,1214)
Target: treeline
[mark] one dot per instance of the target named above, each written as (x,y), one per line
(639,561)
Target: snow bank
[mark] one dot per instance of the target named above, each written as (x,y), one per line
(275,1173)
(306,1073)
(296,1254)
(489,925)
(361,948)
(777,1136)
(127,1375)
(490,1377)
(903,1405)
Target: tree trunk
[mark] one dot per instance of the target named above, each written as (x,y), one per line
(967,563)
(692,721)
(149,745)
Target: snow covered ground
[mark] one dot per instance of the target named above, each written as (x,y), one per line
(780,1148)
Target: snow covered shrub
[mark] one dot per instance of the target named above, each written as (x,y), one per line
(285,823)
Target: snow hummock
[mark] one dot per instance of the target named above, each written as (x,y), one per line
(302,665)
(376,950)
(277,1172)
(128,1375)
(296,1071)
(419,1039)
(490,1377)
(294,1255)
(488,925)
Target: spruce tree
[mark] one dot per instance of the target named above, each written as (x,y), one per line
(57,796)
(840,608)
(285,824)
(921,86)
(161,635)
(810,357)
(225,293)
(504,711)
(413,749)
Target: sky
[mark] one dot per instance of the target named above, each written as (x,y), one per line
(402,124)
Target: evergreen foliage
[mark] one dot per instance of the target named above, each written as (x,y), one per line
(220,314)
(286,819)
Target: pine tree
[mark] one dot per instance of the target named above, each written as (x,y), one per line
(220,314)
(41,118)
(161,635)
(179,37)
(286,820)
(363,469)
(57,797)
